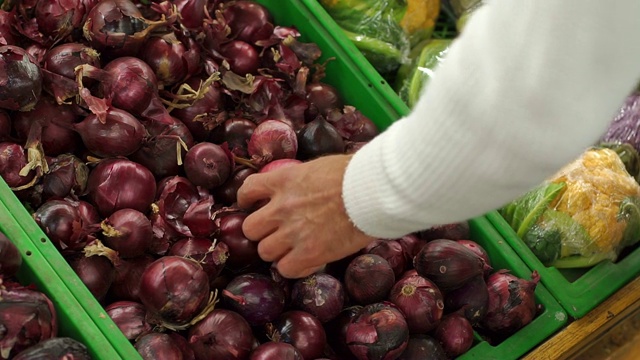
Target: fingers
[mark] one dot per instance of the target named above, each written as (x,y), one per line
(260,223)
(273,248)
(253,190)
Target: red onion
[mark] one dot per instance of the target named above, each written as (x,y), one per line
(318,138)
(96,273)
(368,279)
(478,250)
(276,350)
(207,165)
(272,140)
(56,348)
(323,97)
(223,334)
(165,55)
(129,316)
(378,331)
(67,176)
(352,124)
(116,184)
(411,245)
(158,346)
(337,328)
(390,250)
(120,134)
(175,196)
(7,20)
(20,79)
(471,300)
(256,297)
(64,58)
(512,303)
(199,217)
(163,234)
(236,132)
(37,52)
(126,285)
(211,256)
(448,264)
(26,318)
(321,295)
(302,330)
(242,251)
(181,342)
(63,223)
(192,12)
(453,231)
(423,347)
(455,334)
(241,56)
(205,113)
(116,28)
(421,302)
(227,192)
(57,19)
(248,21)
(174,290)
(10,258)
(128,232)
(12,160)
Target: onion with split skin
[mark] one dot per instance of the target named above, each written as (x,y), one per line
(20,79)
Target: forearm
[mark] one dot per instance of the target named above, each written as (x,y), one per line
(524,90)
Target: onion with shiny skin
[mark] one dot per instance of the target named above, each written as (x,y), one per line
(120,134)
(302,330)
(421,302)
(320,294)
(368,279)
(127,231)
(256,297)
(455,334)
(20,79)
(223,334)
(207,165)
(129,316)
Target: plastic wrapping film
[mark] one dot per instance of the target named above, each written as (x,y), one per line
(461,10)
(625,126)
(586,213)
(385,30)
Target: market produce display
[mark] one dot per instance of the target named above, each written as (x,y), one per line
(28,317)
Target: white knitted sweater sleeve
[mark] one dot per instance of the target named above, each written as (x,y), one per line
(524,90)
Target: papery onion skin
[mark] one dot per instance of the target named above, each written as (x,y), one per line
(205,114)
(256,297)
(223,334)
(127,231)
(126,285)
(12,160)
(272,140)
(157,346)
(211,258)
(368,279)
(120,135)
(57,19)
(62,223)
(207,165)
(421,302)
(20,79)
(324,97)
(68,176)
(276,350)
(129,316)
(248,21)
(378,331)
(320,294)
(455,334)
(164,55)
(242,57)
(64,58)
(390,250)
(302,330)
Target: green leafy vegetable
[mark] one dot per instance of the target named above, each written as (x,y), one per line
(545,243)
(524,212)
(630,213)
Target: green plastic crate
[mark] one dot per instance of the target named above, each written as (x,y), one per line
(577,290)
(548,322)
(73,320)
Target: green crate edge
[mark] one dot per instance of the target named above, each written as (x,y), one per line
(73,320)
(585,293)
(547,323)
(87,301)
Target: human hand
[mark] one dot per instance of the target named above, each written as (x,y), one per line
(303,224)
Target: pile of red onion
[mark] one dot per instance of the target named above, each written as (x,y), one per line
(130,138)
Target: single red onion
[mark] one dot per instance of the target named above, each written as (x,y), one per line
(57,19)
(96,273)
(212,256)
(512,303)
(223,334)
(455,334)
(192,12)
(471,300)
(320,294)
(227,192)
(378,331)
(207,165)
(453,231)
(165,55)
(204,114)
(352,124)
(64,58)
(67,223)
(199,217)
(248,21)
(126,285)
(411,245)
(390,250)
(302,330)
(158,346)
(242,251)
(318,138)
(273,140)
(129,317)
(20,79)
(27,317)
(56,348)
(174,290)
(368,279)
(175,196)
(448,264)
(276,350)
(242,57)
(67,177)
(337,328)
(425,347)
(256,297)
(10,257)
(37,52)
(236,132)
(120,134)
(323,97)
(421,302)
(278,164)
(12,160)
(116,184)
(480,251)
(127,231)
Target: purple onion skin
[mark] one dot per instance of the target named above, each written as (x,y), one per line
(455,334)
(96,272)
(453,231)
(471,300)
(236,132)
(116,184)
(318,138)
(423,347)
(256,297)
(64,58)
(320,294)
(127,231)
(62,223)
(68,176)
(129,316)
(337,328)
(126,285)
(302,330)
(63,348)
(207,165)
(227,192)
(10,257)
(478,250)
(57,19)
(158,346)
(421,302)
(276,350)
(622,127)
(324,97)
(205,114)
(164,56)
(174,289)
(120,135)
(448,264)
(223,334)
(242,57)
(248,21)
(200,249)
(20,79)
(390,250)
(242,251)
(378,331)
(512,302)
(272,140)
(12,160)
(368,279)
